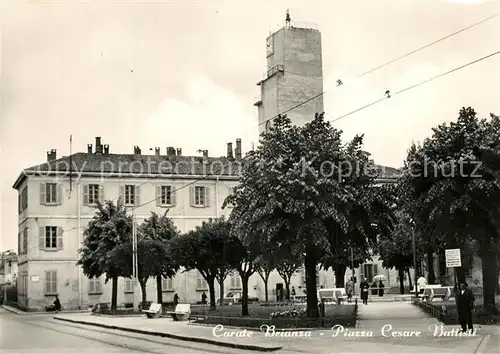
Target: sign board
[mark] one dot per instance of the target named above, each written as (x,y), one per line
(453,258)
(35,278)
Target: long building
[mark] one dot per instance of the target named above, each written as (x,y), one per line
(56,203)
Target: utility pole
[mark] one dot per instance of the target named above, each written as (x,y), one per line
(135,273)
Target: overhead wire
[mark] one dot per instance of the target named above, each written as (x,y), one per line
(378,67)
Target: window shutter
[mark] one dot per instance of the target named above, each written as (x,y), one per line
(122,193)
(98,285)
(85,194)
(47,281)
(91,285)
(137,195)
(192,195)
(42,193)
(60,233)
(101,193)
(41,237)
(362,272)
(59,194)
(207,196)
(158,195)
(172,195)
(375,269)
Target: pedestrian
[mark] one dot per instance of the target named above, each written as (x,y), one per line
(293,291)
(204,298)
(176,299)
(349,287)
(465,304)
(364,287)
(380,288)
(57,304)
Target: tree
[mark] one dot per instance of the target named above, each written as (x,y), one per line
(155,257)
(264,265)
(396,249)
(454,191)
(289,262)
(105,245)
(302,187)
(207,249)
(244,261)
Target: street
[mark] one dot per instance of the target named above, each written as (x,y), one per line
(41,334)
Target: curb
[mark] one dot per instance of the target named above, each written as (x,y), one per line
(12,310)
(175,336)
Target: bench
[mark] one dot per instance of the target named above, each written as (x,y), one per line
(336,294)
(181,312)
(154,311)
(442,293)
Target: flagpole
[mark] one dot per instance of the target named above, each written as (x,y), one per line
(70,165)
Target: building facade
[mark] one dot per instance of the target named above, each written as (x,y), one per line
(293,83)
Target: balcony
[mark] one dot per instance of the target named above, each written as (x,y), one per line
(275,69)
(257,101)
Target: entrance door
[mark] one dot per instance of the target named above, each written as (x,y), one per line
(279,292)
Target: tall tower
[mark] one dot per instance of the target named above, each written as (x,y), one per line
(294,76)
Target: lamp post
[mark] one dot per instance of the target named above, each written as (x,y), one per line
(414,246)
(353,273)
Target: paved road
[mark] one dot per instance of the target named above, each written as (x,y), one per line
(42,334)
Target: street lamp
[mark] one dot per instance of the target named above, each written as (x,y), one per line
(414,256)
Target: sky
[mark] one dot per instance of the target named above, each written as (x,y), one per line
(184,74)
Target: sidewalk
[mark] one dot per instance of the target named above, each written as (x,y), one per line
(19,312)
(166,327)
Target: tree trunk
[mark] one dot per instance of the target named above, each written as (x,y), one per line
(340,270)
(310,270)
(460,274)
(221,291)
(142,283)
(431,276)
(490,272)
(211,291)
(498,281)
(159,292)
(401,275)
(266,285)
(287,288)
(409,278)
(114,293)
(244,295)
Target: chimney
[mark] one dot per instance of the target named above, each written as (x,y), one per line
(205,154)
(157,151)
(98,146)
(137,150)
(51,155)
(106,149)
(89,148)
(237,151)
(170,151)
(230,151)
(179,152)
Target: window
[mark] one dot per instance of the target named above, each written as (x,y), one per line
(201,283)
(51,238)
(303,276)
(129,285)
(167,284)
(130,194)
(51,282)
(23,199)
(235,281)
(232,191)
(200,196)
(165,196)
(95,286)
(50,193)
(24,246)
(92,193)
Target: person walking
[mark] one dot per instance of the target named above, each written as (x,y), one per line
(364,288)
(176,299)
(380,288)
(465,304)
(349,288)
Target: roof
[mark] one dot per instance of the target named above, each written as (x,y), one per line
(131,165)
